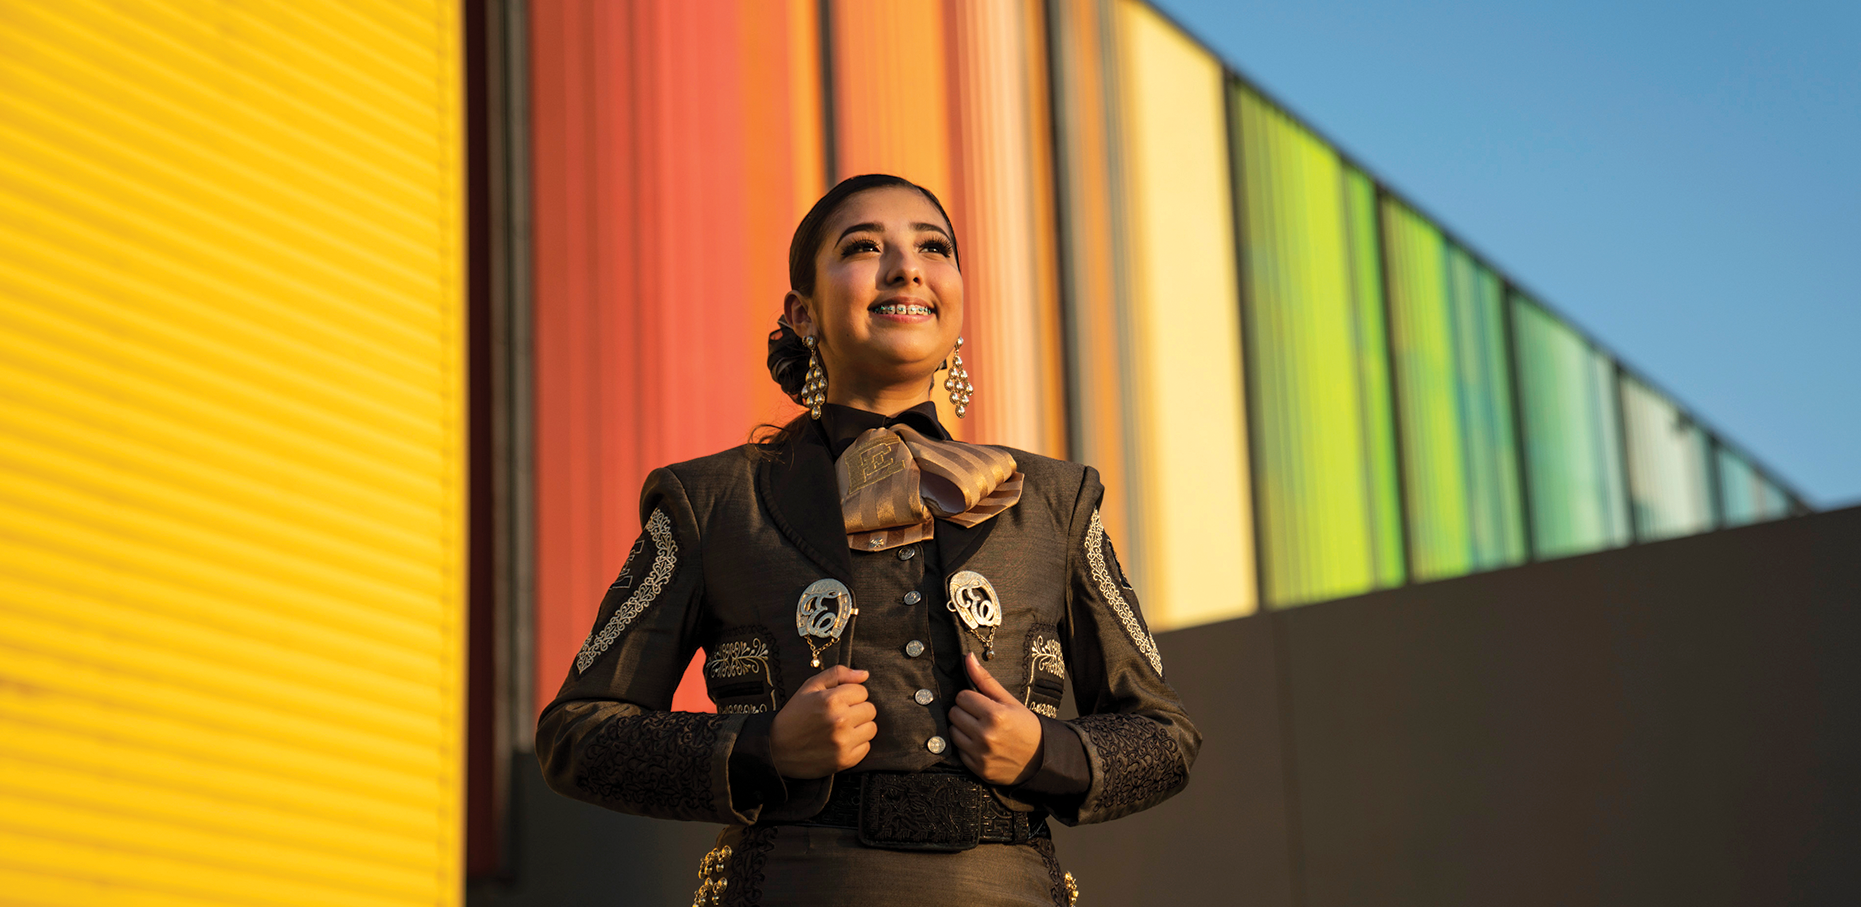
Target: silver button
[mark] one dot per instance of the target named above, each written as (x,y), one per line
(935,744)
(908,552)
(914,648)
(924,697)
(912,598)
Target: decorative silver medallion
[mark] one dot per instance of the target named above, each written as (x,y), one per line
(822,614)
(974,600)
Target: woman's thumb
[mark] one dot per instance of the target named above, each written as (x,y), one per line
(986,684)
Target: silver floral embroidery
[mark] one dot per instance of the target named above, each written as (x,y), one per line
(1043,655)
(735,659)
(1095,556)
(743,708)
(1047,656)
(665,557)
(739,658)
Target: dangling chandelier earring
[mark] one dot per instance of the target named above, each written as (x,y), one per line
(814,386)
(958,383)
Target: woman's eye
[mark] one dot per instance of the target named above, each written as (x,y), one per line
(936,246)
(860,245)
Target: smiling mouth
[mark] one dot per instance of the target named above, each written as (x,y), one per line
(902,308)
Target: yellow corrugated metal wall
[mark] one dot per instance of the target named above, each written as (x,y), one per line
(231,453)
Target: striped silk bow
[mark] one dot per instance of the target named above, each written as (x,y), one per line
(894,483)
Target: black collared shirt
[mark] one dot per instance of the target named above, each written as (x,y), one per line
(840,425)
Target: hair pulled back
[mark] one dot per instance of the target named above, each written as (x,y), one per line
(788,358)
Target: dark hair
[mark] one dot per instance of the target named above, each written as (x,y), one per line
(788,359)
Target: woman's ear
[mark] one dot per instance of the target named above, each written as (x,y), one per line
(795,308)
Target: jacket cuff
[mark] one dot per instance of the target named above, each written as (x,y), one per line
(1064,773)
(754,782)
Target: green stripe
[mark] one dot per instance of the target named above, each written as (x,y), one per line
(1325,441)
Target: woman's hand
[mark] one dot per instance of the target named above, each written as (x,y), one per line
(826,727)
(996,736)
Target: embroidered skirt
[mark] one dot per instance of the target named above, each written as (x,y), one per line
(813,866)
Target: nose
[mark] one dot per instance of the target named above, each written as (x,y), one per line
(904,268)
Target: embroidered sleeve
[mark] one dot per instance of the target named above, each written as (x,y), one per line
(1139,741)
(610,737)
(651,762)
(1135,764)
(664,547)
(1097,547)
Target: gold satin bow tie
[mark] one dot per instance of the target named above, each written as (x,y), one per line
(894,484)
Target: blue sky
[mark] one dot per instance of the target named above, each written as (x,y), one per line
(1681,180)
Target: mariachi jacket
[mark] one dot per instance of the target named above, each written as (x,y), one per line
(730,543)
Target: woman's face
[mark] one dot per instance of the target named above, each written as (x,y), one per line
(888,299)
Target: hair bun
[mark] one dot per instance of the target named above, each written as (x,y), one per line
(788,359)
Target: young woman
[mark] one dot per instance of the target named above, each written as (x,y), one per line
(889,617)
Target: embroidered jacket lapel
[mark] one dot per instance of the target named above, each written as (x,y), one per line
(800,492)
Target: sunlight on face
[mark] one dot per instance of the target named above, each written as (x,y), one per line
(888,297)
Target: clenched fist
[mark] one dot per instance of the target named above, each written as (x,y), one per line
(996,736)
(826,727)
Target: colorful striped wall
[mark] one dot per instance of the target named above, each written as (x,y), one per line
(1296,385)
(1329,509)
(1454,397)
(232,469)
(231,493)
(674,147)
(1670,491)
(1573,442)
(1094,278)
(1194,510)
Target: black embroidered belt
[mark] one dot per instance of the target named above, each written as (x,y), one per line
(937,811)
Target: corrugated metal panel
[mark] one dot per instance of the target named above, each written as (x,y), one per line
(1093,271)
(1667,482)
(1773,501)
(1459,458)
(1375,379)
(675,146)
(1194,509)
(1009,282)
(894,115)
(1738,490)
(1573,443)
(231,502)
(1330,522)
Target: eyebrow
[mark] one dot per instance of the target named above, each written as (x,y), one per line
(876,227)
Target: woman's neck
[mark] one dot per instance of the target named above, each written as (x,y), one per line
(886,401)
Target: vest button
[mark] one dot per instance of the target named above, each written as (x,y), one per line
(912,597)
(935,745)
(907,553)
(914,648)
(924,697)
